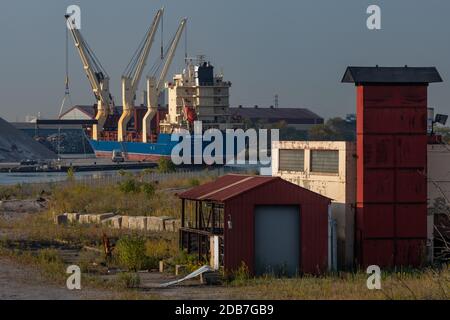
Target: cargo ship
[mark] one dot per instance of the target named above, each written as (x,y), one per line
(145,133)
(197,94)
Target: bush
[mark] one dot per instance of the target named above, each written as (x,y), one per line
(129,280)
(71,174)
(194,182)
(129,186)
(148,189)
(166,165)
(130,251)
(48,256)
(189,260)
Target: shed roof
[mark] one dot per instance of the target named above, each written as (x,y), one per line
(230,186)
(361,75)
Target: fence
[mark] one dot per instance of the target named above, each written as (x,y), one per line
(104,178)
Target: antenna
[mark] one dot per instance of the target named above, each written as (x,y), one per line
(276,101)
(185,44)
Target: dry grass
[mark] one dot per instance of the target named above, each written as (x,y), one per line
(426,284)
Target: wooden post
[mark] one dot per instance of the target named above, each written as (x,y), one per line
(213,223)
(183,203)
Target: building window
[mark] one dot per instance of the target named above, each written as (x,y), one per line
(292,160)
(325,161)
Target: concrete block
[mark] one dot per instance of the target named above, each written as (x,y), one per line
(172,225)
(61,219)
(155,224)
(137,223)
(116,222)
(84,218)
(125,222)
(94,218)
(73,217)
(105,216)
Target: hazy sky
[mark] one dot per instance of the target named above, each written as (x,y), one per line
(298,49)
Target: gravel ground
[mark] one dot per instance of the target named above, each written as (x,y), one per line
(18,282)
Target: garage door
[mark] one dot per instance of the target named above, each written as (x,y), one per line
(277,240)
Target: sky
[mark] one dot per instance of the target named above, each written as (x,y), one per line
(298,49)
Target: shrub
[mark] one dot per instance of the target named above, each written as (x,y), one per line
(194,182)
(241,275)
(166,165)
(130,251)
(48,256)
(71,174)
(129,186)
(129,280)
(148,188)
(189,260)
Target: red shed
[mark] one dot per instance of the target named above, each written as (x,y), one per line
(267,223)
(391,208)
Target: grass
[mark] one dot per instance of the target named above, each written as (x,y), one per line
(424,285)
(132,197)
(136,198)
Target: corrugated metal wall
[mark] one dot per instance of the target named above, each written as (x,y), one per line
(391,170)
(239,241)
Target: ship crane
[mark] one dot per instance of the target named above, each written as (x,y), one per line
(154,87)
(98,78)
(132,76)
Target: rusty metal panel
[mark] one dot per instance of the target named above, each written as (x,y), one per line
(395,96)
(411,186)
(378,252)
(411,151)
(391,168)
(410,252)
(411,220)
(379,221)
(378,151)
(395,120)
(378,186)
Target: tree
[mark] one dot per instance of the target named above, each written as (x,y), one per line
(335,129)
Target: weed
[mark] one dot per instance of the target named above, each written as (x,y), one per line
(130,253)
(129,280)
(166,165)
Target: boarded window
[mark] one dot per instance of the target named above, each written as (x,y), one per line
(292,160)
(325,161)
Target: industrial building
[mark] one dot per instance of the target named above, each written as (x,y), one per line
(299,118)
(328,168)
(267,223)
(390,215)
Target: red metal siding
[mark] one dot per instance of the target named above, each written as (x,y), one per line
(391,168)
(239,241)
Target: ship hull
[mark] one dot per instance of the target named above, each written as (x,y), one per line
(135,151)
(140,151)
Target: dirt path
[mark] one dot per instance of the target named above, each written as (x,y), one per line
(18,282)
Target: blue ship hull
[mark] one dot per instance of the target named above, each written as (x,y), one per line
(136,151)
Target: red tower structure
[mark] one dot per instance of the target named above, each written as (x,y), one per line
(391,196)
